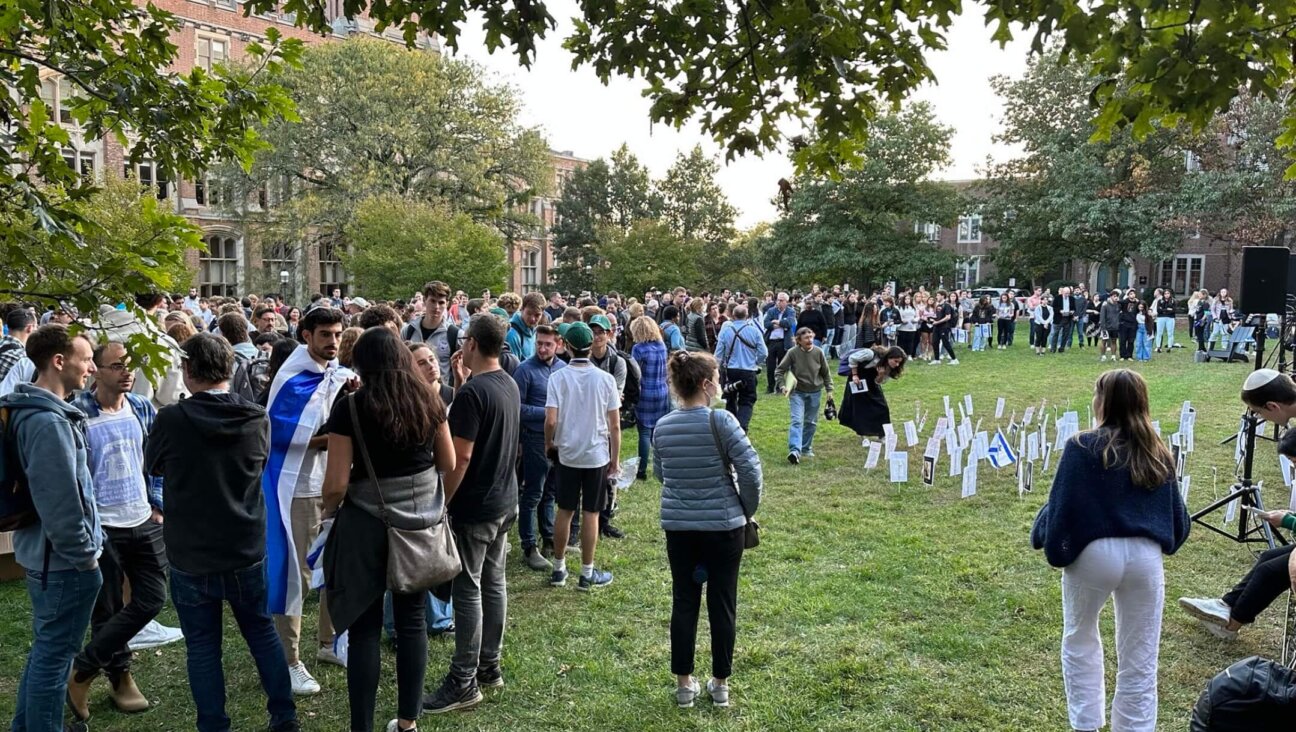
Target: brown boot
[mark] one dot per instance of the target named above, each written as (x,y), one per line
(78,693)
(125,694)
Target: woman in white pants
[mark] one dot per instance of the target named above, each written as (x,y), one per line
(1114,510)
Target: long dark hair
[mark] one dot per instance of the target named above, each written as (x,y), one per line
(869,315)
(1125,436)
(885,354)
(395,397)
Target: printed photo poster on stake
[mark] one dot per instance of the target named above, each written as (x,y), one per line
(1028,415)
(1032,447)
(951,441)
(1230,512)
(1025,477)
(999,408)
(899,462)
(967,402)
(1156,427)
(911,434)
(933,447)
(970,479)
(1048,456)
(1184,484)
(929,471)
(890,443)
(874,451)
(956,463)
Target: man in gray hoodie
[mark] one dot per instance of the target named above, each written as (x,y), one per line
(60,545)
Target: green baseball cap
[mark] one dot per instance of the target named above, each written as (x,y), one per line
(499,313)
(579,336)
(602,321)
(562,329)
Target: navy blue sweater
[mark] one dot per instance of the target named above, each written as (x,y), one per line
(1090,502)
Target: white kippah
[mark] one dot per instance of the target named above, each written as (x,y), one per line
(1259,378)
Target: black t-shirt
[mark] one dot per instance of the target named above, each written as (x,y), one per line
(948,312)
(389,459)
(487,412)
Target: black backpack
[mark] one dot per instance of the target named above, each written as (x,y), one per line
(251,376)
(16,507)
(1251,695)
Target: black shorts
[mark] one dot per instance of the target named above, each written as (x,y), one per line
(581,488)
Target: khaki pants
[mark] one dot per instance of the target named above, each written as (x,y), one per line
(305,527)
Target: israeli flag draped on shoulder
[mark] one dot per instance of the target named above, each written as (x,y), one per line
(300,399)
(1000,453)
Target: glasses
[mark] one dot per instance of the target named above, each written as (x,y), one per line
(118,367)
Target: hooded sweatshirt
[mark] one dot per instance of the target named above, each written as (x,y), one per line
(210,450)
(51,446)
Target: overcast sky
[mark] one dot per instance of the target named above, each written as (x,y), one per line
(581,115)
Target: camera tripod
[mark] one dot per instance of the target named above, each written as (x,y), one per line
(1250,529)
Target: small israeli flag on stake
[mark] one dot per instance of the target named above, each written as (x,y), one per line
(1000,453)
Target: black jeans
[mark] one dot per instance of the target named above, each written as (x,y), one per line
(1127,333)
(1006,328)
(908,342)
(136,554)
(1266,582)
(776,352)
(720,553)
(742,402)
(364,658)
(941,338)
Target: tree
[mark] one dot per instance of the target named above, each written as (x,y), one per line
(646,255)
(1070,196)
(696,209)
(744,69)
(108,59)
(599,197)
(858,228)
(375,119)
(396,245)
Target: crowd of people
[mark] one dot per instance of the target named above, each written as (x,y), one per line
(480,413)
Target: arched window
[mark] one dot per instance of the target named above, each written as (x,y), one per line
(218,267)
(332,276)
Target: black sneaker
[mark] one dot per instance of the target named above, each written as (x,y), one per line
(489,677)
(611,532)
(452,695)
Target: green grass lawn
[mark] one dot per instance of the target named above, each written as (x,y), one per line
(869,606)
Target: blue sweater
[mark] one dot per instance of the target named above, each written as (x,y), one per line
(1090,502)
(532,377)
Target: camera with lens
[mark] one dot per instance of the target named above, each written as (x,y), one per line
(830,411)
(731,389)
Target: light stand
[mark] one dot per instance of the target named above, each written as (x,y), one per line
(1250,530)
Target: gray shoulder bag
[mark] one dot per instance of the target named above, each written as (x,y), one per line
(417,559)
(751,532)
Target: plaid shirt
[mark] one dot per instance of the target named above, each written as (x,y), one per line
(9,354)
(145,413)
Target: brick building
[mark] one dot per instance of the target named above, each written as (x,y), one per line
(1200,262)
(213,31)
(531,260)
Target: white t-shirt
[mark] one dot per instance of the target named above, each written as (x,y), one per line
(116,456)
(583,394)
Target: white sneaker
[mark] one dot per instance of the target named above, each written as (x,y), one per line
(303,684)
(394,726)
(1219,631)
(1208,610)
(953,362)
(934,362)
(153,635)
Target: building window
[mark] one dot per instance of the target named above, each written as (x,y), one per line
(83,162)
(148,174)
(277,258)
(530,270)
(58,95)
(211,52)
(218,267)
(1183,274)
(969,229)
(968,272)
(928,231)
(332,276)
(210,191)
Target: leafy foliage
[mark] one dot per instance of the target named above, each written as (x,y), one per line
(748,70)
(649,254)
(858,228)
(376,120)
(398,244)
(111,55)
(1071,196)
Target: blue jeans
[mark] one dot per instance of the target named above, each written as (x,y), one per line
(1061,335)
(61,601)
(645,442)
(805,419)
(1164,333)
(199,601)
(536,504)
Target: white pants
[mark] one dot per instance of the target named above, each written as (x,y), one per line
(1131,570)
